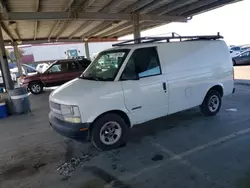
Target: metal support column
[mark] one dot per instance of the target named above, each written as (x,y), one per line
(17,55)
(136,26)
(87,49)
(4,64)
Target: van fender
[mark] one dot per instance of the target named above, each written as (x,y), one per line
(98,114)
(210,87)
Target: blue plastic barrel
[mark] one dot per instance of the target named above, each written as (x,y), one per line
(3,110)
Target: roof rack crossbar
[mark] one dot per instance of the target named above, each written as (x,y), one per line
(168,39)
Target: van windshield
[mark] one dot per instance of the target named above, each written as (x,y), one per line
(105,66)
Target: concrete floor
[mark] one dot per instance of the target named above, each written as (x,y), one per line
(242,72)
(181,150)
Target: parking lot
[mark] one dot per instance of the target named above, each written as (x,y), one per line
(181,150)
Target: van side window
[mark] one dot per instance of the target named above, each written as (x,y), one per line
(146,62)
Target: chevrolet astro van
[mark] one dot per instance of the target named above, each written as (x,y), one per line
(137,81)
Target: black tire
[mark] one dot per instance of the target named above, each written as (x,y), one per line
(206,108)
(37,85)
(103,121)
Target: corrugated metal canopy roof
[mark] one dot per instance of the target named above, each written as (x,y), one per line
(33,21)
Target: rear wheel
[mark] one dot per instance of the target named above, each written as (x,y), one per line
(109,132)
(36,88)
(211,104)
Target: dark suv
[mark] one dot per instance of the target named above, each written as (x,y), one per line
(57,73)
(242,59)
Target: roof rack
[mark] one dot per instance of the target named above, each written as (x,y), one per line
(168,39)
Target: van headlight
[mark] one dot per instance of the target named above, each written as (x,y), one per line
(71,113)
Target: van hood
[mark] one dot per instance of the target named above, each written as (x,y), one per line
(74,90)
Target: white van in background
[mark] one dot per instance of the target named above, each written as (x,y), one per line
(42,67)
(134,83)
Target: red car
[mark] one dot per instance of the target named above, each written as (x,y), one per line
(56,74)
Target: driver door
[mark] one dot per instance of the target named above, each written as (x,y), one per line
(54,76)
(144,86)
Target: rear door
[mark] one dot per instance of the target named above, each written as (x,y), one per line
(73,70)
(147,97)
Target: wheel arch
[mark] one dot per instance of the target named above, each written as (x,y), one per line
(36,81)
(218,88)
(121,113)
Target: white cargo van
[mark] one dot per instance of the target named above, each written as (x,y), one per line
(134,83)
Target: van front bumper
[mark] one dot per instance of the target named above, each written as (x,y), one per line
(71,130)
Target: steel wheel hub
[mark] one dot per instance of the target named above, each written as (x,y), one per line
(36,88)
(214,103)
(110,133)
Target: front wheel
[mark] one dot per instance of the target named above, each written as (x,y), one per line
(211,104)
(109,132)
(36,88)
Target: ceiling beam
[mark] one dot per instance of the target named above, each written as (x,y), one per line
(171,6)
(36,22)
(124,26)
(143,26)
(144,17)
(65,40)
(153,5)
(53,29)
(193,8)
(130,9)
(83,26)
(7,31)
(95,30)
(16,16)
(66,24)
(209,7)
(120,28)
(5,26)
(140,6)
(190,7)
(146,8)
(66,8)
(82,7)
(106,8)
(68,5)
